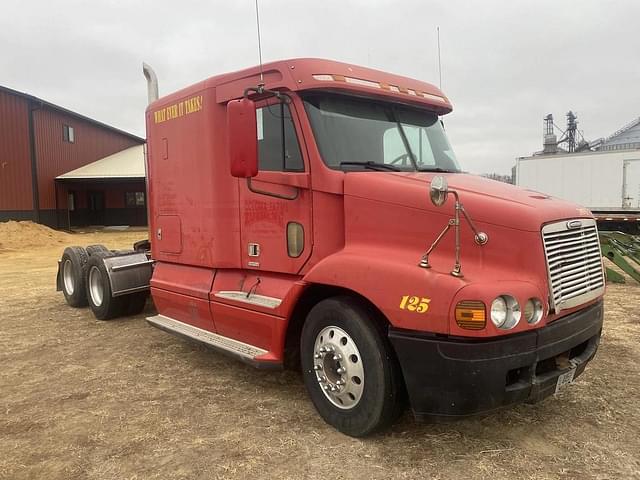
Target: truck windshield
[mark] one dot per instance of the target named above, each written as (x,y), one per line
(360,133)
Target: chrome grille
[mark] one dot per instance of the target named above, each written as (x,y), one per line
(574,262)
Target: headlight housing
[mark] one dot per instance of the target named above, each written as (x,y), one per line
(505,312)
(533,311)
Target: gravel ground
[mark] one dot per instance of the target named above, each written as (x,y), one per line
(84,399)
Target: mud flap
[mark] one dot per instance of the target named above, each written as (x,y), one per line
(128,273)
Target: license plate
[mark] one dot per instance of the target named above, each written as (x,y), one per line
(565,379)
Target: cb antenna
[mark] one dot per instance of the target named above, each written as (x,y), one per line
(439,63)
(259,43)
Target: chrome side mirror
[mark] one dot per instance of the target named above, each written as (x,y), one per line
(439,190)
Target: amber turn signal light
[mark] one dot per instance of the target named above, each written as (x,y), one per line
(471,315)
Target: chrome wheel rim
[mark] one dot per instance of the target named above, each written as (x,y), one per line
(95,286)
(338,367)
(67,277)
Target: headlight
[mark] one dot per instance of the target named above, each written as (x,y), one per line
(505,312)
(533,311)
(499,312)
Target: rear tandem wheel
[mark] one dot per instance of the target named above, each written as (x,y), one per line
(103,305)
(72,275)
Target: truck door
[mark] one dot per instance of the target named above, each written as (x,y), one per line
(275,206)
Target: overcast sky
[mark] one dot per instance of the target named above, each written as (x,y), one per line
(505,64)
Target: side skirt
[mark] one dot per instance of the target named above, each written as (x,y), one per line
(242,351)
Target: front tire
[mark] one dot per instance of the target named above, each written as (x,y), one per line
(349,369)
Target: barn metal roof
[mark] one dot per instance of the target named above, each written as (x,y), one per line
(53,106)
(126,164)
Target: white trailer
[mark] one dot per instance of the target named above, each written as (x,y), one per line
(603,181)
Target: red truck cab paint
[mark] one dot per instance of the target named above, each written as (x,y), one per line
(315,255)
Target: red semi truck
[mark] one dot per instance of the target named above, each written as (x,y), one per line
(313,213)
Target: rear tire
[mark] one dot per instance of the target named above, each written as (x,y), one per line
(98,249)
(103,305)
(343,348)
(135,303)
(72,273)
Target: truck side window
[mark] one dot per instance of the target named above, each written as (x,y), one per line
(272,125)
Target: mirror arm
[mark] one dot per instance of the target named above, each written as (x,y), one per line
(272,194)
(481,238)
(424,261)
(260,90)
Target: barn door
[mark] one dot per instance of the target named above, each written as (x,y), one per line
(96,207)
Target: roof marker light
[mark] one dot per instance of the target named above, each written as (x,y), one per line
(364,83)
(432,97)
(325,77)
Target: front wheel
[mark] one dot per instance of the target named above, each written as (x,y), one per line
(349,368)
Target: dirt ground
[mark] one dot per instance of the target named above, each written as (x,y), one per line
(85,399)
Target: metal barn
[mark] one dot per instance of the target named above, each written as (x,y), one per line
(40,141)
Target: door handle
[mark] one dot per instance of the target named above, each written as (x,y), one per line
(273,194)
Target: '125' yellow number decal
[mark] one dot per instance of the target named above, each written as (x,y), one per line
(415,304)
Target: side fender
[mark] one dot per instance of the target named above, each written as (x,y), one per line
(128,273)
(386,277)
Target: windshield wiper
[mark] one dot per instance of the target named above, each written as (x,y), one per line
(434,169)
(374,166)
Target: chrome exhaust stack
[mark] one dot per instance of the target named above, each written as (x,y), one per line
(152,82)
(152,96)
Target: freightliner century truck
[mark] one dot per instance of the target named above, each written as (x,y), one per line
(312,213)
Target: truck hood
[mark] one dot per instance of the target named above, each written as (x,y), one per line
(485,200)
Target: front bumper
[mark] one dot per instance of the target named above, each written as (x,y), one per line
(457,377)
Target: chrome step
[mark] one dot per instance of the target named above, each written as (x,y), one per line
(251,298)
(214,340)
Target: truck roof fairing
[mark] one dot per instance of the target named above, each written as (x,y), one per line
(314,74)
